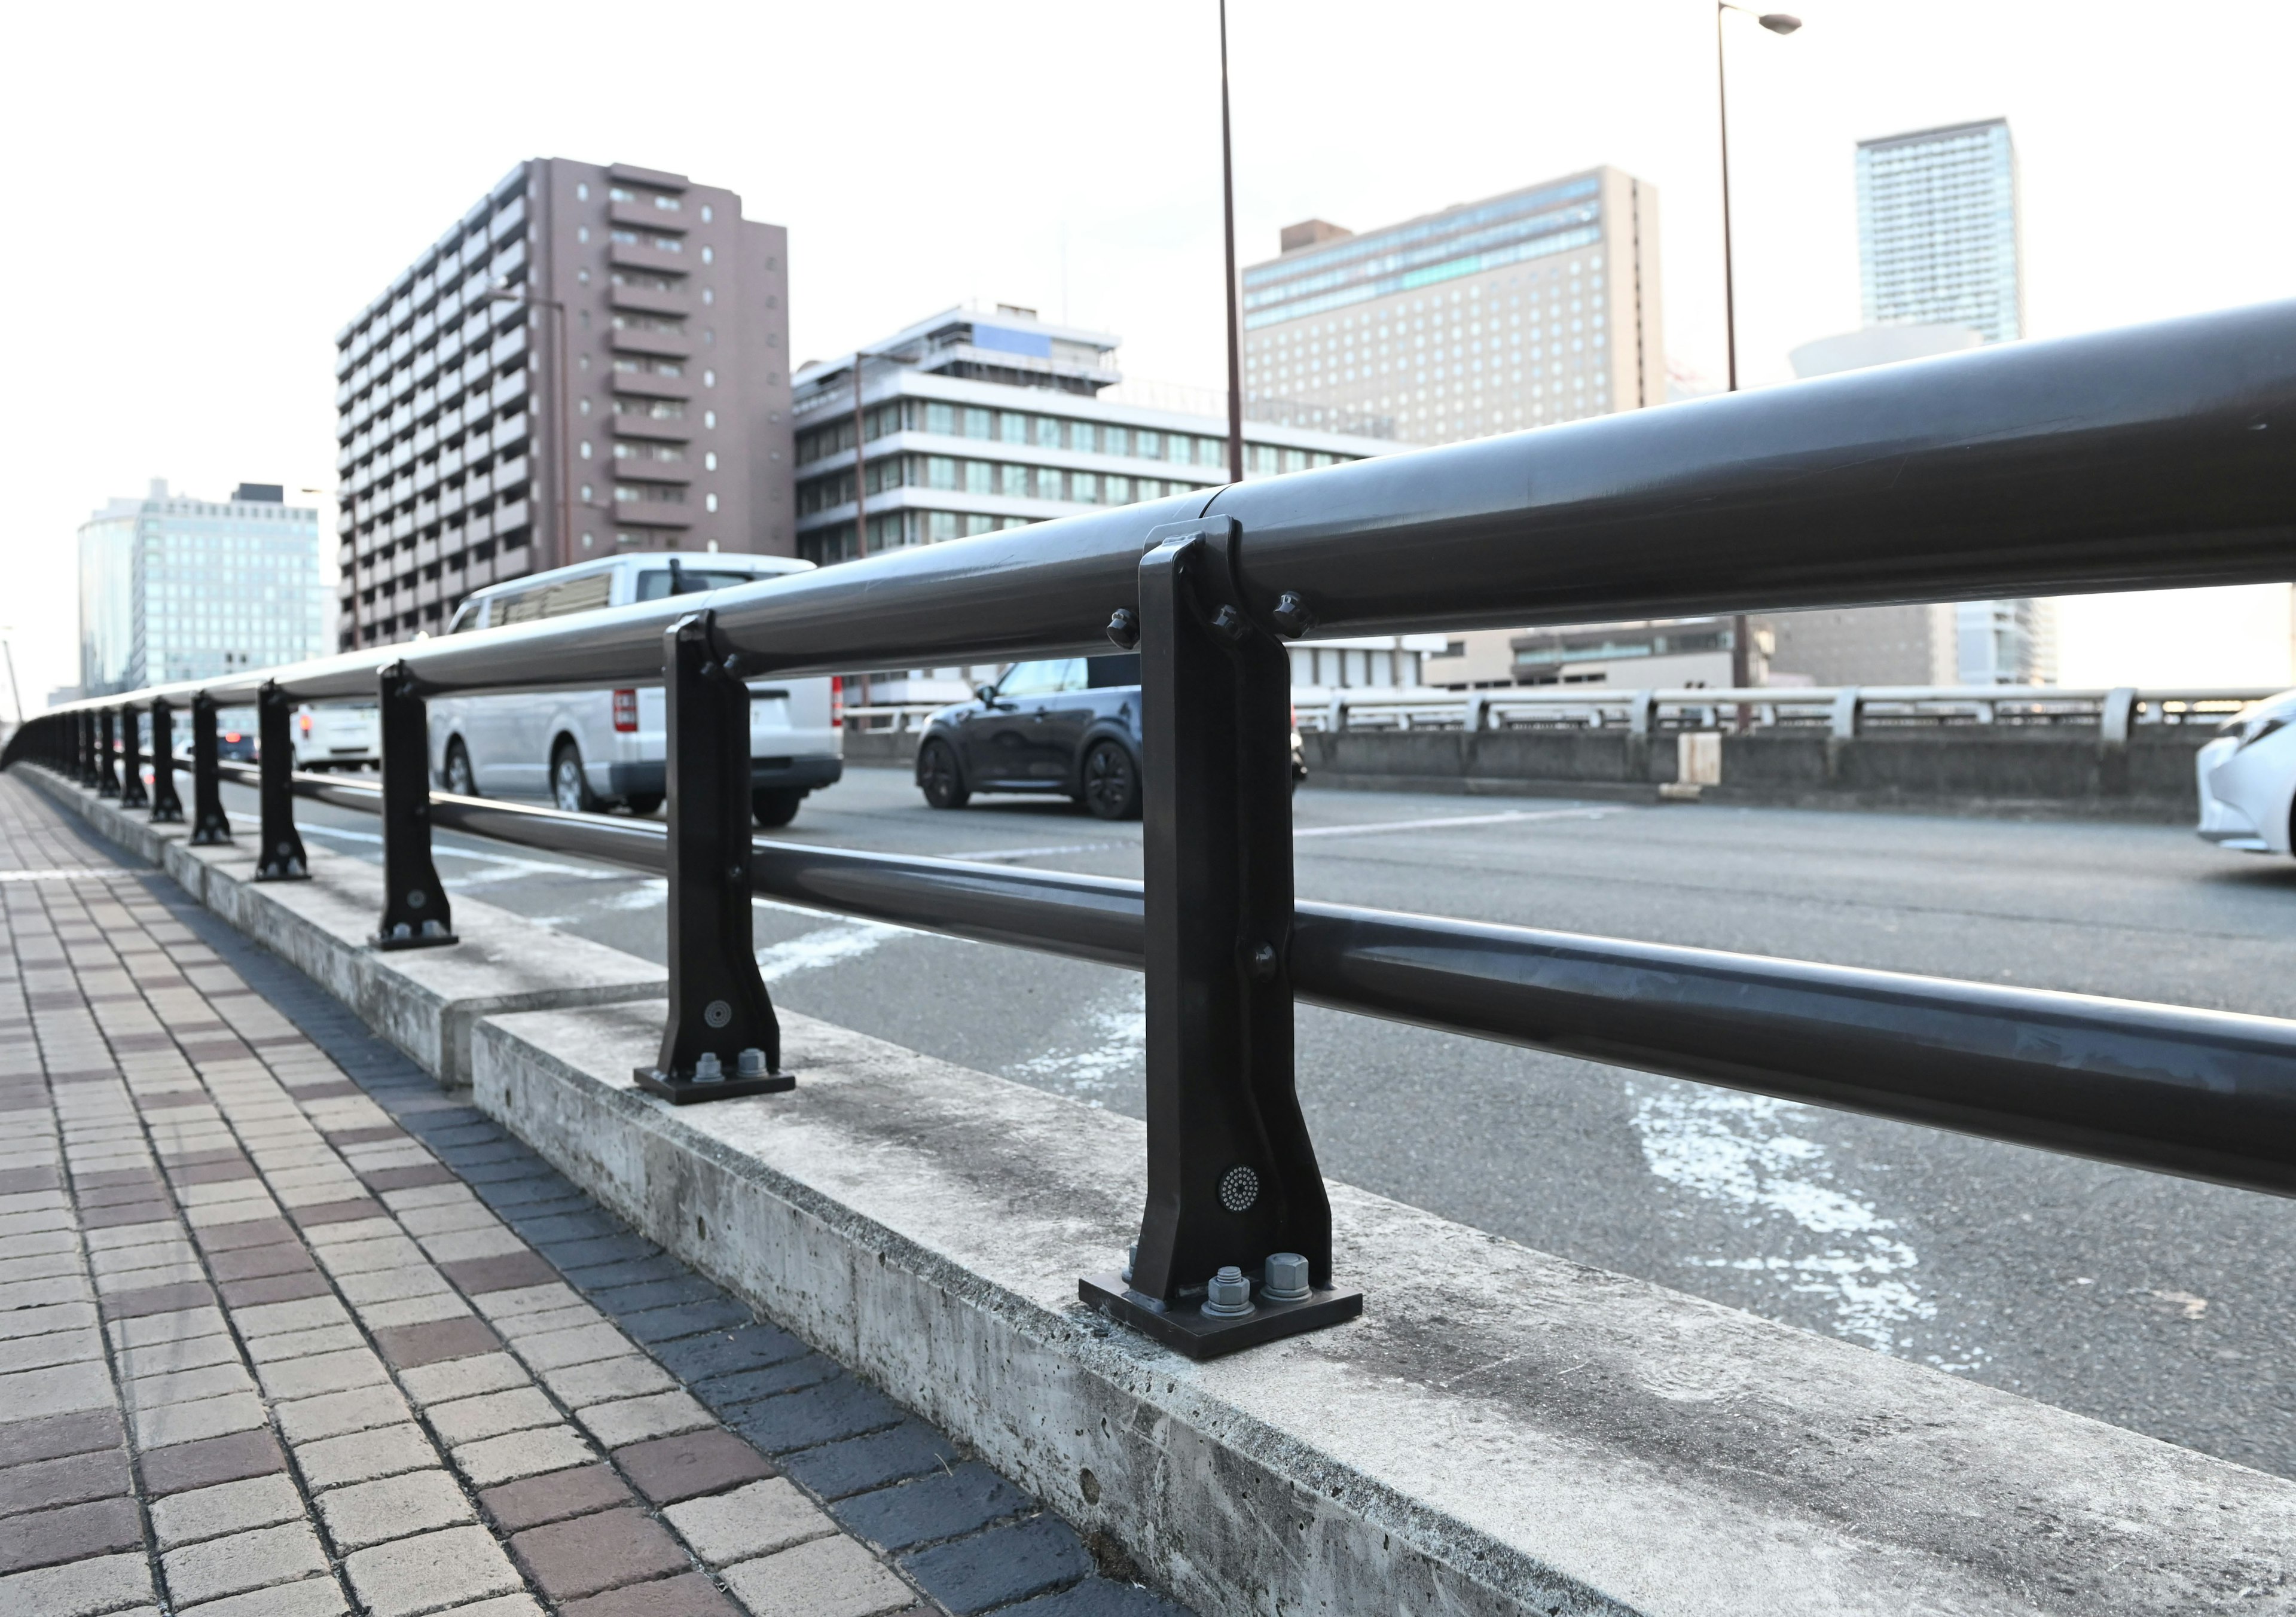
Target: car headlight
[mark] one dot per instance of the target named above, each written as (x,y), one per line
(2255,729)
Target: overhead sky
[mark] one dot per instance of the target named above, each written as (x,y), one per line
(203,194)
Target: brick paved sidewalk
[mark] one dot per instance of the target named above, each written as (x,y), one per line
(287,1332)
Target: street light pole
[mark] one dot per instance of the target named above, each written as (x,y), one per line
(1742,650)
(1234,338)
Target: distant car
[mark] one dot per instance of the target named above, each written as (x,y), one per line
(337,735)
(1066,727)
(590,750)
(2247,779)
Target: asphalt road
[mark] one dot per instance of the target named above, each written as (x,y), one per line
(2151,1303)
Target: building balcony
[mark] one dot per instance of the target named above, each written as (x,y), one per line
(651,471)
(507,389)
(662,345)
(629,256)
(512,514)
(650,384)
(645,216)
(676,432)
(512,472)
(652,513)
(649,301)
(512,432)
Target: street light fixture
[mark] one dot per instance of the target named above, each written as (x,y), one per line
(1741,651)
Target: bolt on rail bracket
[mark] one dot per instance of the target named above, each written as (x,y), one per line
(723,1039)
(1235,1246)
(416,914)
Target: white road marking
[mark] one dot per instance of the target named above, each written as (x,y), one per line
(990,855)
(510,864)
(1119,1050)
(1511,817)
(829,946)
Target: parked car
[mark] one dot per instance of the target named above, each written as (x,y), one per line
(2247,779)
(1069,727)
(590,750)
(347,735)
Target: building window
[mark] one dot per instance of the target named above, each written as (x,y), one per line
(709,502)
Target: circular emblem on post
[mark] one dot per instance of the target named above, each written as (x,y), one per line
(1239,1189)
(717,1013)
(417,898)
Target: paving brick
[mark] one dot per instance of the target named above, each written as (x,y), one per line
(839,1407)
(363,1455)
(756,1520)
(1098,1597)
(51,1436)
(601,1250)
(688,1595)
(69,1532)
(272,1319)
(728,1393)
(59,1288)
(467,1245)
(180,1326)
(501,1605)
(516,1326)
(668,1469)
(832,1577)
(453,1565)
(632,1420)
(406,1346)
(532,1501)
(274,1288)
(390,1251)
(665,1292)
(302,1344)
(40,1322)
(584,1344)
(595,1277)
(686,1319)
(319,1373)
(83,1588)
(480,1274)
(253,1232)
(242,1562)
(523,1454)
(468,1420)
(216,1459)
(632,1376)
(373,1513)
(253,1262)
(167,1425)
(311,1597)
(71,1479)
(128,1212)
(424,1309)
(158,1300)
(400,1179)
(333,1414)
(940,1505)
(167,1357)
(228,1507)
(502,1307)
(59,1388)
(570,1559)
(1006,1565)
(458,1378)
(387,1285)
(722,1353)
(587,1225)
(222,1170)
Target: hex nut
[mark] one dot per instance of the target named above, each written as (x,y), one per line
(707,1069)
(1286,1278)
(1228,1296)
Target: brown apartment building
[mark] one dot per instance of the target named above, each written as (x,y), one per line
(593,359)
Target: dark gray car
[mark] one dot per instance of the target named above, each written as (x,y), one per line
(1069,727)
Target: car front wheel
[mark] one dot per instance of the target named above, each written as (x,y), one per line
(570,788)
(773,810)
(460,781)
(1111,784)
(937,776)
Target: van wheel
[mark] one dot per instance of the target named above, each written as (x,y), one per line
(938,777)
(460,781)
(570,788)
(775,809)
(1111,785)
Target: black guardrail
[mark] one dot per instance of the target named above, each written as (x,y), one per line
(2136,459)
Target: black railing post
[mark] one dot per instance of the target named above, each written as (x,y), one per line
(282,857)
(107,770)
(723,1038)
(84,737)
(416,914)
(209,824)
(132,794)
(167,807)
(1235,1244)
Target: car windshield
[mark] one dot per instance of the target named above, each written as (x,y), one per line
(1042,678)
(655,583)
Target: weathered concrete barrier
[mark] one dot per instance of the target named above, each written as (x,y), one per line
(1504,1431)
(1972,769)
(425,1001)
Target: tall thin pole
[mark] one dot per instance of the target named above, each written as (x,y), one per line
(1234,322)
(15,697)
(1729,285)
(860,466)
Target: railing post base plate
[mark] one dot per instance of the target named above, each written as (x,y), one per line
(687,1091)
(1185,1328)
(397,939)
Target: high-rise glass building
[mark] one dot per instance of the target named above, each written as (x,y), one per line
(174,587)
(1938,229)
(1521,310)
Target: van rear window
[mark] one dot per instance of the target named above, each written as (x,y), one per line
(654,584)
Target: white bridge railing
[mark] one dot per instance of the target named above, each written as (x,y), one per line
(1840,711)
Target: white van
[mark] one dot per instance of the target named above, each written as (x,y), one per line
(590,750)
(337,735)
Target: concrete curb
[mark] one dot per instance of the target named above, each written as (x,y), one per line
(427,1002)
(1504,1431)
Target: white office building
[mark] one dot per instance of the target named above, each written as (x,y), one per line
(1939,233)
(975,420)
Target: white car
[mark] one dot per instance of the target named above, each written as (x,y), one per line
(589,751)
(337,735)
(2248,778)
